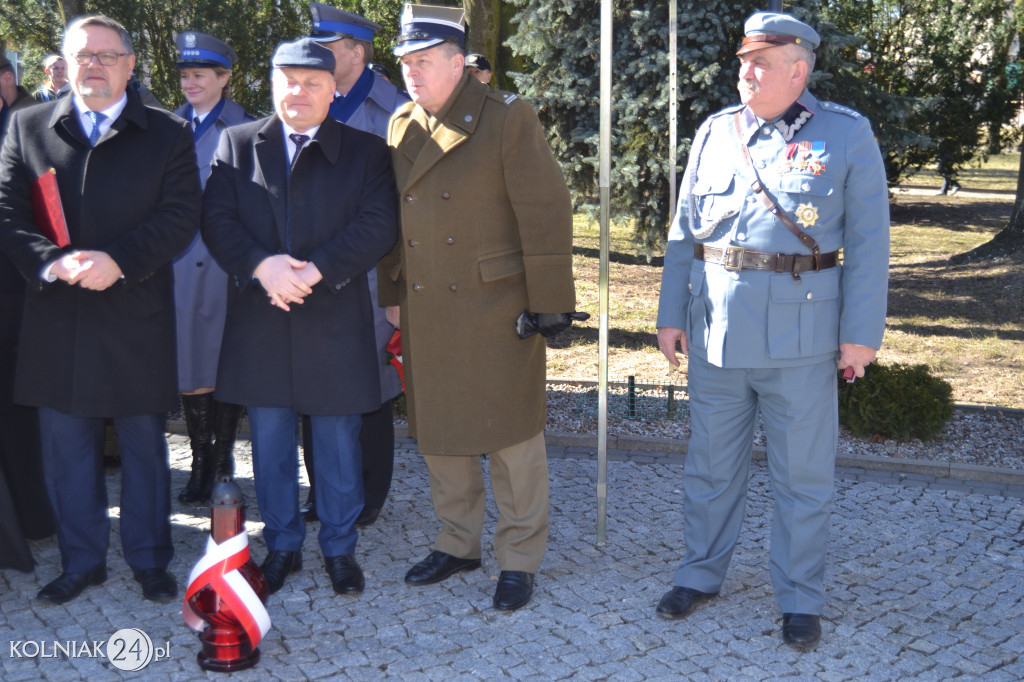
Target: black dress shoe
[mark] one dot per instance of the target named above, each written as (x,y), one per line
(438,566)
(679,601)
(514,590)
(367,517)
(801,630)
(157,584)
(345,574)
(277,566)
(70,585)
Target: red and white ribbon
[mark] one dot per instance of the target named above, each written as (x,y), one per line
(218,569)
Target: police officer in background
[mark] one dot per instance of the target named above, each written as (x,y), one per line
(479,68)
(200,284)
(766,312)
(363,101)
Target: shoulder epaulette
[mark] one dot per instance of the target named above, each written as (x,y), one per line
(839,109)
(505,98)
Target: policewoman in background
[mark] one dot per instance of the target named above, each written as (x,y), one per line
(200,285)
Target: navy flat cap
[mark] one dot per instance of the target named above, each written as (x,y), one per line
(304,53)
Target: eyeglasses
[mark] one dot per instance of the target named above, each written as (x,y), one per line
(104,58)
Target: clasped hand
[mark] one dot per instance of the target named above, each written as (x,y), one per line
(94,270)
(287,280)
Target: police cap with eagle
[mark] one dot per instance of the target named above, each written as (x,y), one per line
(331,23)
(200,50)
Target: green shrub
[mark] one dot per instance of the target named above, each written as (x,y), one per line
(896,401)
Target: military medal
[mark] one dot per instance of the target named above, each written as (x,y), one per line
(807,215)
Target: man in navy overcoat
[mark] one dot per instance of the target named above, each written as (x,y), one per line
(296,209)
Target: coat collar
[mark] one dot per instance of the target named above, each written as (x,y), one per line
(65,116)
(271,170)
(458,121)
(791,121)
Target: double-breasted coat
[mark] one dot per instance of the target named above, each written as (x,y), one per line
(135,196)
(486,232)
(336,208)
(200,285)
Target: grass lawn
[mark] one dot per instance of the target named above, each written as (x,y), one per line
(998,174)
(965,321)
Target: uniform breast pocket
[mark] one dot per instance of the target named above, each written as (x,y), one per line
(715,200)
(803,316)
(800,190)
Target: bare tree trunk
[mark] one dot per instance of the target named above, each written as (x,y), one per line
(484,19)
(1010,240)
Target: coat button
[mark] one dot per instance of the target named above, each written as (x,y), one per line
(742,237)
(809,295)
(449,240)
(689,287)
(408,198)
(453,287)
(413,242)
(806,187)
(469,117)
(766,130)
(416,286)
(734,275)
(446,196)
(199,264)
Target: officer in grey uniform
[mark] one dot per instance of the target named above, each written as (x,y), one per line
(363,101)
(200,285)
(754,291)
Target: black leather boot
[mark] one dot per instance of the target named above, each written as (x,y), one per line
(225,430)
(199,420)
(308,510)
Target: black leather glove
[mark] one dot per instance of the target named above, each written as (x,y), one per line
(548,324)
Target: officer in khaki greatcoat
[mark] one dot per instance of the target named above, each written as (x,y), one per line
(486,233)
(754,291)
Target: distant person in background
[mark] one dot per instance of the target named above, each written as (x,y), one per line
(948,172)
(14,96)
(200,284)
(56,84)
(479,68)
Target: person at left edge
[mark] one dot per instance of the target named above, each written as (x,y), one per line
(200,285)
(97,336)
(296,209)
(364,101)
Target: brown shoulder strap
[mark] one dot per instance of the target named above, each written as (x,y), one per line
(766,199)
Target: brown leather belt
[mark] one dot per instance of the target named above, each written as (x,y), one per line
(738,258)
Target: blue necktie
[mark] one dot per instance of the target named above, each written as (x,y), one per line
(96,117)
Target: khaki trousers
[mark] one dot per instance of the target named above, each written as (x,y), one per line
(519,479)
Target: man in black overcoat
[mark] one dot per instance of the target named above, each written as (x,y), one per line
(297,208)
(97,338)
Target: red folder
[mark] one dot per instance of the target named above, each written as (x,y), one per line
(47,209)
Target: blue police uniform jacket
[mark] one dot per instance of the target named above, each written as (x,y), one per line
(372,116)
(822,165)
(375,111)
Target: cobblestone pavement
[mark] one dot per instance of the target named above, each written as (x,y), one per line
(925,581)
